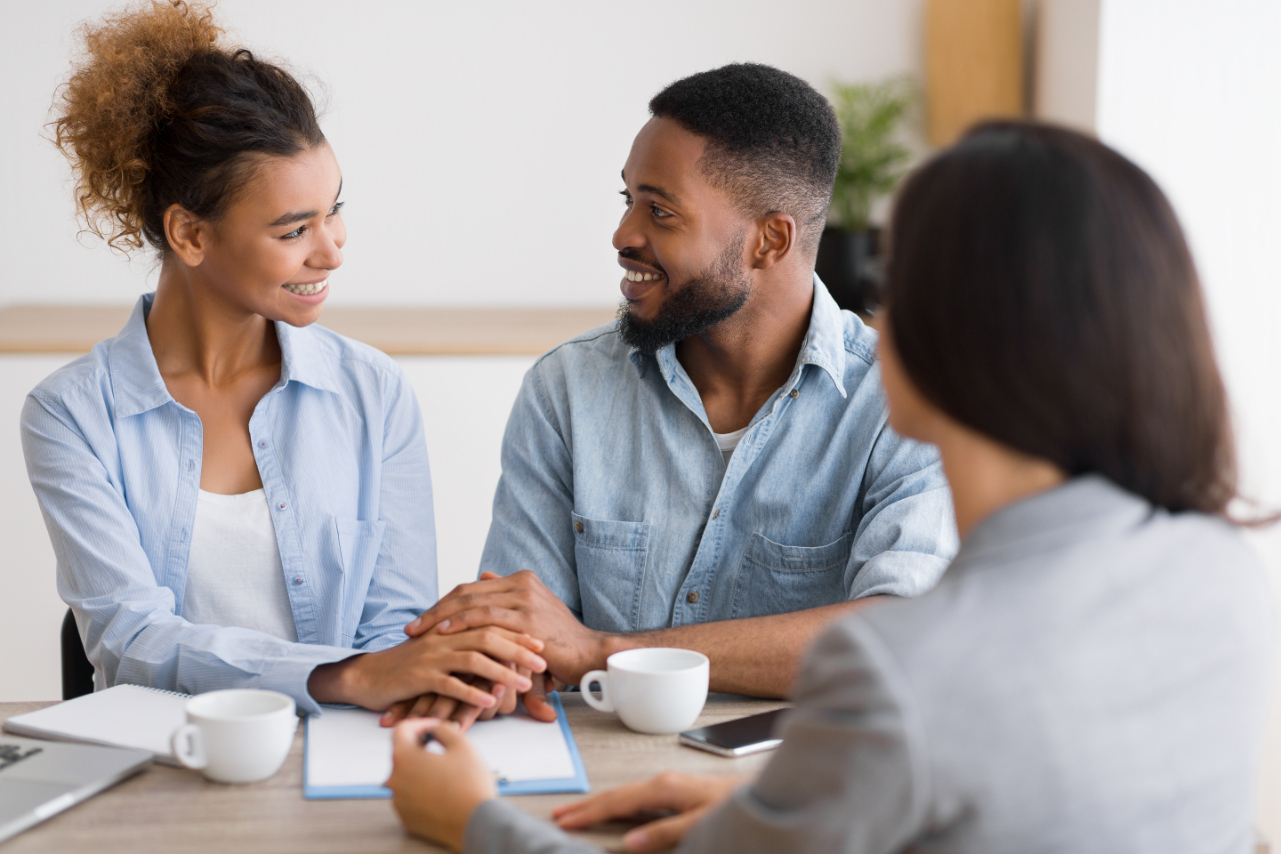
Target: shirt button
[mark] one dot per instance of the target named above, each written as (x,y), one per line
(692,597)
(578,526)
(717,513)
(794,393)
(297,581)
(282,507)
(261,444)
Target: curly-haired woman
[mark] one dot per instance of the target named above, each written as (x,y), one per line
(236,497)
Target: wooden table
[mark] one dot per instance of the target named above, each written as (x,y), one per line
(400,331)
(166,810)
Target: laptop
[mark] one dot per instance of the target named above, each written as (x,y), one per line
(39,779)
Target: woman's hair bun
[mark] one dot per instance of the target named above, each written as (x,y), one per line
(157,113)
(116,96)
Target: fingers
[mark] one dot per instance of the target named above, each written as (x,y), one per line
(409,734)
(664,833)
(396,713)
(479,664)
(616,803)
(668,791)
(443,708)
(465,716)
(449,685)
(448,605)
(501,646)
(536,700)
(507,702)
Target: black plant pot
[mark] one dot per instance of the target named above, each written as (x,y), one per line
(847,264)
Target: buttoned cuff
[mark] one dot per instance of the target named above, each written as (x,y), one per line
(289,674)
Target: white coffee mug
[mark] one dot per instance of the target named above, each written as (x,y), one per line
(236,736)
(652,690)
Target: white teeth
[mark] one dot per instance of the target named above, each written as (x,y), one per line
(633,276)
(307,290)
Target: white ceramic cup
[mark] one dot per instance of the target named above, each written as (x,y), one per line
(236,736)
(652,690)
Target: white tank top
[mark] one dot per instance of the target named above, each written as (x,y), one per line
(727,442)
(234,576)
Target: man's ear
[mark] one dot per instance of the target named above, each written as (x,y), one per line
(188,235)
(776,233)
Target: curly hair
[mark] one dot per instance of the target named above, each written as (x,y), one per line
(158,113)
(773,142)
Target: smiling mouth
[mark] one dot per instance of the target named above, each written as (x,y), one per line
(634,276)
(307,290)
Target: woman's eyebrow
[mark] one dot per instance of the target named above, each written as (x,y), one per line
(299,216)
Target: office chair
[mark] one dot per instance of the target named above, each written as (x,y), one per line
(77,672)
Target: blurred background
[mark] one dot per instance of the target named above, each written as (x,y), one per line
(481,143)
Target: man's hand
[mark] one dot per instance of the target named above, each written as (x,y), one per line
(431,663)
(435,794)
(690,797)
(519,603)
(465,714)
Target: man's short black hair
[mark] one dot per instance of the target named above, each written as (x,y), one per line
(773,141)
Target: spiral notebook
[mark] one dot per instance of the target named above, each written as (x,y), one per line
(349,755)
(123,716)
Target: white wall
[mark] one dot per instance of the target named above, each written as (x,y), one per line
(480,142)
(1192,92)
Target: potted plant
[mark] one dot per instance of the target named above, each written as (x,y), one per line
(873,159)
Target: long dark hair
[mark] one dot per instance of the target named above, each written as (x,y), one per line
(1041,291)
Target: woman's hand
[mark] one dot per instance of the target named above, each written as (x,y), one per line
(434,793)
(431,664)
(690,796)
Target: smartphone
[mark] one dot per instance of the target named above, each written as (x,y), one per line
(740,737)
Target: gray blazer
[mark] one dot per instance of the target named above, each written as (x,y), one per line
(1091,674)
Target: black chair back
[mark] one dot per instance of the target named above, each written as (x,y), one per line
(77,672)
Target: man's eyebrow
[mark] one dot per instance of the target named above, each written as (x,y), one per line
(299,216)
(650,188)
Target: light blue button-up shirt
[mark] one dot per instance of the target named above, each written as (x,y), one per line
(115,464)
(616,494)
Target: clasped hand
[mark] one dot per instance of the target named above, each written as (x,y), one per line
(520,604)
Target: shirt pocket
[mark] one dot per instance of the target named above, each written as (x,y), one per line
(610,558)
(779,579)
(358,546)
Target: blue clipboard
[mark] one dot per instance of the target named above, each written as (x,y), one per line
(575,784)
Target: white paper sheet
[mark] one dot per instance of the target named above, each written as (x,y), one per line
(347,748)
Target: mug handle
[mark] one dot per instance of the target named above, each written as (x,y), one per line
(601,677)
(189,746)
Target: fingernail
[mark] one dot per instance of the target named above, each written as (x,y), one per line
(416,623)
(500,690)
(488,701)
(636,840)
(442,625)
(524,684)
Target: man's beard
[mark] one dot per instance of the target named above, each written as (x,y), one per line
(703,302)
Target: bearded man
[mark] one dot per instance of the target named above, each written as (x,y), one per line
(714,471)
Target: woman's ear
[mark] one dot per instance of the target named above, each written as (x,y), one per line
(188,236)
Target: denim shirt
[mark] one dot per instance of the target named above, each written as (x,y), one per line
(616,494)
(115,463)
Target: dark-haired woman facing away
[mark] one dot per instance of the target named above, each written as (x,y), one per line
(236,498)
(1091,673)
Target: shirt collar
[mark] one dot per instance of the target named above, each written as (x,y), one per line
(823,346)
(137,386)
